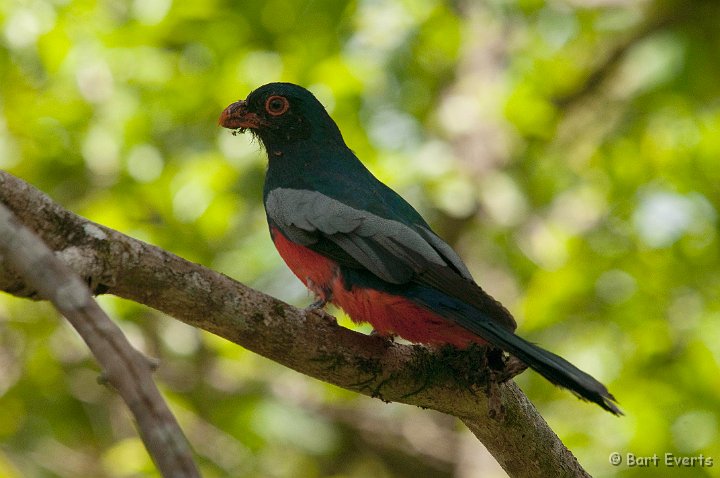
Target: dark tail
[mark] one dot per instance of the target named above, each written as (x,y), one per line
(554,368)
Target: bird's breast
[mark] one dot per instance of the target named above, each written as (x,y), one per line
(316,271)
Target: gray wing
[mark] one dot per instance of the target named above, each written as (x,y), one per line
(393,251)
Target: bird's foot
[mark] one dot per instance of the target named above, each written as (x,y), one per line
(389,337)
(317,308)
(317,305)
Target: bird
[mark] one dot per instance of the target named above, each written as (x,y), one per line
(356,243)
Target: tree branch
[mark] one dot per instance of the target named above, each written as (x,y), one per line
(128,371)
(307,342)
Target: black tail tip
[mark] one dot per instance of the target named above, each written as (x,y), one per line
(605,399)
(609,403)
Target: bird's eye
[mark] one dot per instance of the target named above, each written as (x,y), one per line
(277,105)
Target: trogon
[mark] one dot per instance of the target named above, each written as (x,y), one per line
(356,243)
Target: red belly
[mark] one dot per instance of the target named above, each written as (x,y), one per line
(388,314)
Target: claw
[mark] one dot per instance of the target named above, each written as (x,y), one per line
(319,304)
(321,313)
(317,309)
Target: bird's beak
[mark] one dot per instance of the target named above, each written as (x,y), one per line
(236,116)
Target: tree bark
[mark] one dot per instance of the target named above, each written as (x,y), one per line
(307,342)
(126,369)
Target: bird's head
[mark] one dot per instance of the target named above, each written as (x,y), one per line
(280,114)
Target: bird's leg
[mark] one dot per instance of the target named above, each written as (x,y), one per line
(318,304)
(317,307)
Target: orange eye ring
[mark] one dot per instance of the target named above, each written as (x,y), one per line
(277,105)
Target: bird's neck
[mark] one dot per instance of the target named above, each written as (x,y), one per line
(307,164)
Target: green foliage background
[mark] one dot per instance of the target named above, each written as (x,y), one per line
(569,149)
